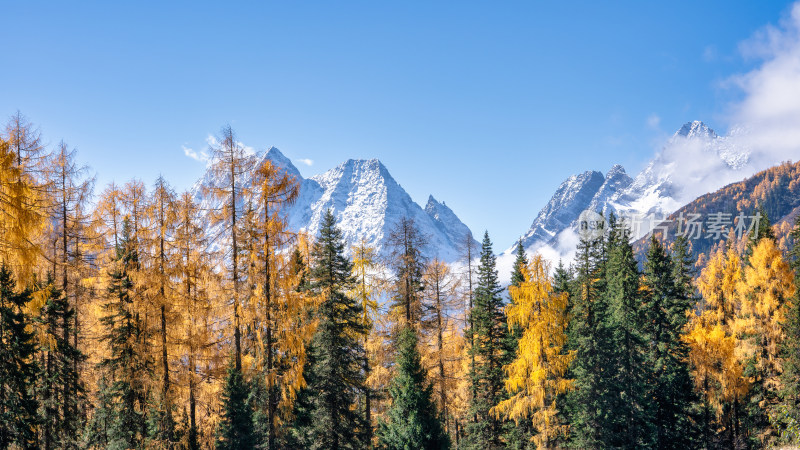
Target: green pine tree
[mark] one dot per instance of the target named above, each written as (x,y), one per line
(628,422)
(763,229)
(298,431)
(519,262)
(563,283)
(666,304)
(18,370)
(336,375)
(128,367)
(96,434)
(161,425)
(59,428)
(488,332)
(235,429)
(413,420)
(588,405)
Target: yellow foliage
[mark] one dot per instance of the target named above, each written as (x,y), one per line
(717,284)
(441,344)
(367,286)
(716,369)
(21,216)
(278,311)
(537,374)
(767,284)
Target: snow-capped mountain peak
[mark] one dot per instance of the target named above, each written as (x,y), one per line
(448,222)
(366,200)
(695,129)
(278,159)
(616,171)
(693,161)
(574,195)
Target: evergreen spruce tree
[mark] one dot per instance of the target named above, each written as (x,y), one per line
(127,367)
(336,374)
(563,283)
(519,262)
(670,393)
(628,424)
(413,419)
(489,334)
(96,434)
(18,370)
(588,404)
(161,425)
(789,410)
(235,430)
(59,428)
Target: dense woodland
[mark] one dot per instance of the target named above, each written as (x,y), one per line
(137,318)
(775,191)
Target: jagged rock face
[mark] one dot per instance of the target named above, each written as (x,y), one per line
(447,221)
(367,203)
(673,178)
(573,196)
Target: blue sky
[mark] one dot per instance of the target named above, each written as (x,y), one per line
(488,106)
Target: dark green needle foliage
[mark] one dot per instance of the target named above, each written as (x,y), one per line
(413,420)
(235,430)
(489,333)
(18,406)
(337,356)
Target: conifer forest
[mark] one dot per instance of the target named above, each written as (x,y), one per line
(135,316)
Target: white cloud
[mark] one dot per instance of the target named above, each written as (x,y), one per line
(767,120)
(306,161)
(764,123)
(710,53)
(212,141)
(653,121)
(197,156)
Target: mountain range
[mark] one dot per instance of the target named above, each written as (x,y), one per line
(694,161)
(367,201)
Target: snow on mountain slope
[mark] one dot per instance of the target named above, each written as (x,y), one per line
(572,196)
(695,160)
(448,222)
(367,203)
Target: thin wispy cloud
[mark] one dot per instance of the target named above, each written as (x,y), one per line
(213,142)
(767,120)
(197,156)
(653,121)
(306,161)
(764,125)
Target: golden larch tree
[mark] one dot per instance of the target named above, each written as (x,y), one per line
(279,310)
(230,165)
(764,290)
(366,290)
(538,373)
(442,352)
(22,216)
(714,345)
